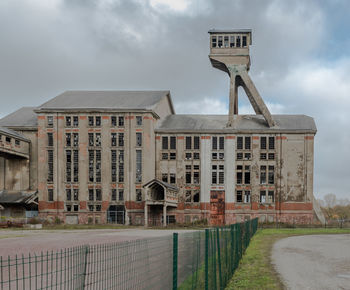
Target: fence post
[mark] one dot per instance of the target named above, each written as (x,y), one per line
(175,253)
(86,253)
(219,256)
(206,259)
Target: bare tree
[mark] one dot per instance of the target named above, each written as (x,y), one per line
(330,200)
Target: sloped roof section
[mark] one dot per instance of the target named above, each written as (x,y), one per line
(165,184)
(12,133)
(23,117)
(115,100)
(24,197)
(243,123)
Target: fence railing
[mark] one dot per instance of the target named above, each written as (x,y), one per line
(203,259)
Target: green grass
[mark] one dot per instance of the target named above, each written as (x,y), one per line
(255,270)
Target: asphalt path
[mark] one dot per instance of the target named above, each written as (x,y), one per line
(313,262)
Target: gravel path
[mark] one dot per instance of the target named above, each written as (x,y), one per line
(313,262)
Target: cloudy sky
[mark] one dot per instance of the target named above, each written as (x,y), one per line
(300,59)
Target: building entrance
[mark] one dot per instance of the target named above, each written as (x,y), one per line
(217,208)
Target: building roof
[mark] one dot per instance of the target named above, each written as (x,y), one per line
(26,197)
(213,31)
(12,133)
(105,100)
(165,184)
(23,117)
(244,123)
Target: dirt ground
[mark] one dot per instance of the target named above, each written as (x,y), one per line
(19,242)
(313,262)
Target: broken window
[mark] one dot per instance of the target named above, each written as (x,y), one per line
(91,121)
(91,207)
(50,194)
(138,139)
(196,142)
(239,143)
(271,156)
(247,174)
(188,142)
(263,156)
(91,139)
(50,139)
(114,194)
(271,143)
(49,120)
(76,207)
(75,121)
(262,174)
(121,140)
(50,166)
(213,41)
(196,196)
(247,196)
(75,139)
(75,166)
(214,144)
(188,177)
(239,156)
(173,142)
(98,165)
(271,196)
(247,143)
(68,139)
(172,178)
(138,165)
(188,155)
(196,155)
(98,121)
(17,142)
(263,143)
(113,121)
(121,166)
(214,177)
(8,139)
(164,156)
(68,165)
(225,41)
(68,194)
(232,41)
(214,156)
(76,194)
(113,139)
(221,177)
(247,156)
(262,196)
(244,41)
(91,194)
(139,120)
(68,207)
(121,121)
(91,165)
(238,41)
(98,207)
(165,143)
(220,41)
(98,192)
(221,155)
(68,121)
(165,177)
(188,196)
(271,174)
(221,143)
(121,194)
(114,165)
(239,197)
(138,195)
(98,139)
(172,155)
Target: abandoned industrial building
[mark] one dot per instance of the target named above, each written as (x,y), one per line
(127,157)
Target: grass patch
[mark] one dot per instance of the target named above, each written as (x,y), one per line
(255,270)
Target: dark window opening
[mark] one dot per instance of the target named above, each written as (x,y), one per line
(173,142)
(50,194)
(139,120)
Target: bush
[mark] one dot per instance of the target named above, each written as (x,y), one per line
(57,220)
(34,221)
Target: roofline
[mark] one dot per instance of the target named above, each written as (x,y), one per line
(22,128)
(215,31)
(237,131)
(15,136)
(171,103)
(94,110)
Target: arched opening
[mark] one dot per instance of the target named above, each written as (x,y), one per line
(116,214)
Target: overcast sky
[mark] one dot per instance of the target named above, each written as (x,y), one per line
(300,59)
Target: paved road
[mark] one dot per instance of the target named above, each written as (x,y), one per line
(313,262)
(14,242)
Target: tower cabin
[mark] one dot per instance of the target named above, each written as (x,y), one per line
(229,52)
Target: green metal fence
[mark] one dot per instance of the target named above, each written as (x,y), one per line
(195,260)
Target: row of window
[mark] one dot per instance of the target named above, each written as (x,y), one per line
(8,140)
(94,194)
(264,196)
(93,121)
(226,41)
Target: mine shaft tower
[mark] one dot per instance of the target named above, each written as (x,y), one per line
(229,52)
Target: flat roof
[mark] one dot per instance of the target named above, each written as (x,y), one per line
(244,123)
(213,31)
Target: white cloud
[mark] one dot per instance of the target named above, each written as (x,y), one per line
(204,106)
(177,5)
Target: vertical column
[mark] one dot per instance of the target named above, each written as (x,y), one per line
(146,214)
(233,106)
(205,178)
(230,159)
(164,215)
